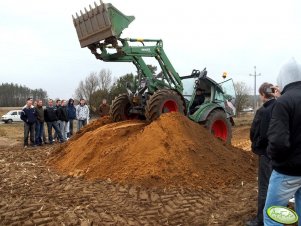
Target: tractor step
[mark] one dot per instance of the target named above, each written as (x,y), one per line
(99,23)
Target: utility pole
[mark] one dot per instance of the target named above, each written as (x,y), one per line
(255,75)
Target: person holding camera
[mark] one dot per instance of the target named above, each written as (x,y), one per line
(284,146)
(259,141)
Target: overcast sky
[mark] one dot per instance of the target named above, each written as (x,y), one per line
(40,49)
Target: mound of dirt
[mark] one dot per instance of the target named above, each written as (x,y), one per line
(171,151)
(92,126)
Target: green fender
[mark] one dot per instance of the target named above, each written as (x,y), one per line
(202,113)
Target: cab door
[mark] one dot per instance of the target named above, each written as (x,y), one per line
(229,96)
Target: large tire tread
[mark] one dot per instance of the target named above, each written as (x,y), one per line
(219,114)
(118,108)
(153,107)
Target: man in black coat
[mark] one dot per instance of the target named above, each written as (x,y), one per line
(258,137)
(51,118)
(284,142)
(63,118)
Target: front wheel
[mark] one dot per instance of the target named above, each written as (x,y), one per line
(120,109)
(163,101)
(218,124)
(10,121)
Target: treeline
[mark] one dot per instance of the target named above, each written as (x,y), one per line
(14,95)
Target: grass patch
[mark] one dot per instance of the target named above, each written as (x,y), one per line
(14,131)
(244,119)
(3,133)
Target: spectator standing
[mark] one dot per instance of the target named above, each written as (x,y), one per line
(32,105)
(50,114)
(104,108)
(258,137)
(63,118)
(28,115)
(284,146)
(57,107)
(71,115)
(39,123)
(44,134)
(82,114)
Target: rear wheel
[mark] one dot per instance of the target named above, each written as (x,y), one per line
(218,124)
(163,101)
(120,109)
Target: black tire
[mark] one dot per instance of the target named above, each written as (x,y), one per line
(10,121)
(120,108)
(163,101)
(218,124)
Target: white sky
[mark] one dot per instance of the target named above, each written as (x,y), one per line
(39,46)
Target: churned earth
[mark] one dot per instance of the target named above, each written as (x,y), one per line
(169,172)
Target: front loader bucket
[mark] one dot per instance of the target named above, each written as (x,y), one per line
(100,23)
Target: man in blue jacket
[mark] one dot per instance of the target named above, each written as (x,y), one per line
(29,117)
(71,116)
(284,142)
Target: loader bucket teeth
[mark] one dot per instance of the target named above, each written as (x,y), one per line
(100,23)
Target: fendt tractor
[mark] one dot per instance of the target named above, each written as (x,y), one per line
(100,28)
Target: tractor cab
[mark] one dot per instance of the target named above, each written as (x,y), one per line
(216,109)
(216,95)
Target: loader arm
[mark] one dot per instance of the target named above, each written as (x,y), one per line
(100,29)
(135,54)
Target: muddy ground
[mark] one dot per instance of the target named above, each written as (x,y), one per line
(32,193)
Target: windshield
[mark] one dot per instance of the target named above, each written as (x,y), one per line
(228,89)
(188,85)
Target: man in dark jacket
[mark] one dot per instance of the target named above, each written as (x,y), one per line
(39,123)
(63,118)
(284,146)
(104,108)
(28,115)
(259,141)
(50,114)
(71,116)
(198,100)
(59,122)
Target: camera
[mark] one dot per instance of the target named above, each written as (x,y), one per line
(270,90)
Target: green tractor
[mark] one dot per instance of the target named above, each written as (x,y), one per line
(100,28)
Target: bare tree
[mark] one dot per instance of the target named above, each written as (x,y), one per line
(79,92)
(242,95)
(94,88)
(105,79)
(87,87)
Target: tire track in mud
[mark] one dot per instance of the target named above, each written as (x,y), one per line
(34,194)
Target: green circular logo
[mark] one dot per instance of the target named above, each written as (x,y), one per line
(282,215)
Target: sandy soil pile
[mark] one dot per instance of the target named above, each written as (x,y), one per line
(171,151)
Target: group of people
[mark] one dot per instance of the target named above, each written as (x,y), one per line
(58,116)
(276,139)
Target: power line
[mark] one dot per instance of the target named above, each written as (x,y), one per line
(255,75)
